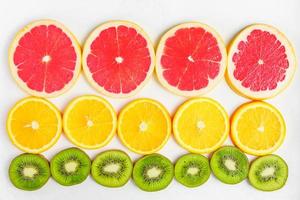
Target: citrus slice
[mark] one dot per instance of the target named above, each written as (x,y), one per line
(144,126)
(118,58)
(261,62)
(34,124)
(257,128)
(89,122)
(190,59)
(45,58)
(201,125)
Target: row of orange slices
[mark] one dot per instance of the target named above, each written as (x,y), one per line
(200,125)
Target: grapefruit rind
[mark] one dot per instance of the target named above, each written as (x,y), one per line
(14,72)
(212,84)
(234,133)
(50,106)
(132,104)
(245,92)
(86,50)
(177,117)
(83,98)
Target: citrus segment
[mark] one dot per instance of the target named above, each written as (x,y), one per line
(144,126)
(89,122)
(261,62)
(45,58)
(201,125)
(34,124)
(118,58)
(257,128)
(191,59)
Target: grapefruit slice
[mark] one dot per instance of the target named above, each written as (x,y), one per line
(191,59)
(118,58)
(261,62)
(45,58)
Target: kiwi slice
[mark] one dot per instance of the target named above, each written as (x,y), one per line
(153,172)
(29,171)
(268,173)
(192,170)
(229,165)
(112,168)
(70,166)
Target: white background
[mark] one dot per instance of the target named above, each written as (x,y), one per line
(155,16)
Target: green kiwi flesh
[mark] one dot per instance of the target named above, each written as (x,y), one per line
(192,170)
(70,166)
(153,172)
(268,173)
(230,165)
(112,168)
(29,171)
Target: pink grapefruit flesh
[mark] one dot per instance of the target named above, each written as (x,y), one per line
(118,58)
(191,59)
(45,58)
(261,62)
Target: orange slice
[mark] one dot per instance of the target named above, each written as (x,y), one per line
(89,122)
(201,125)
(257,128)
(144,126)
(34,124)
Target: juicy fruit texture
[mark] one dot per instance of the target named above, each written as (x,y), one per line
(70,166)
(112,168)
(89,122)
(153,172)
(268,173)
(34,124)
(144,126)
(191,59)
(261,62)
(29,171)
(192,170)
(229,165)
(45,58)
(118,58)
(201,125)
(257,128)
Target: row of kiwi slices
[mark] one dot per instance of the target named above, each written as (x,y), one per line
(154,172)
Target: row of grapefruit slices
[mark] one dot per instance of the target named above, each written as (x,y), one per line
(200,125)
(118,59)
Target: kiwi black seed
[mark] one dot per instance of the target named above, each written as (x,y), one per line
(268,173)
(112,168)
(29,171)
(153,172)
(70,166)
(230,165)
(192,170)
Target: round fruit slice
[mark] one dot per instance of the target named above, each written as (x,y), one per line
(34,124)
(261,62)
(112,168)
(257,128)
(268,173)
(144,126)
(70,166)
(229,165)
(192,170)
(29,171)
(45,58)
(153,172)
(118,58)
(89,122)
(190,59)
(201,125)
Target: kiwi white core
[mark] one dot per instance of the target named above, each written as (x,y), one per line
(230,164)
(153,172)
(46,59)
(112,168)
(71,166)
(193,170)
(143,127)
(30,172)
(119,59)
(267,172)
